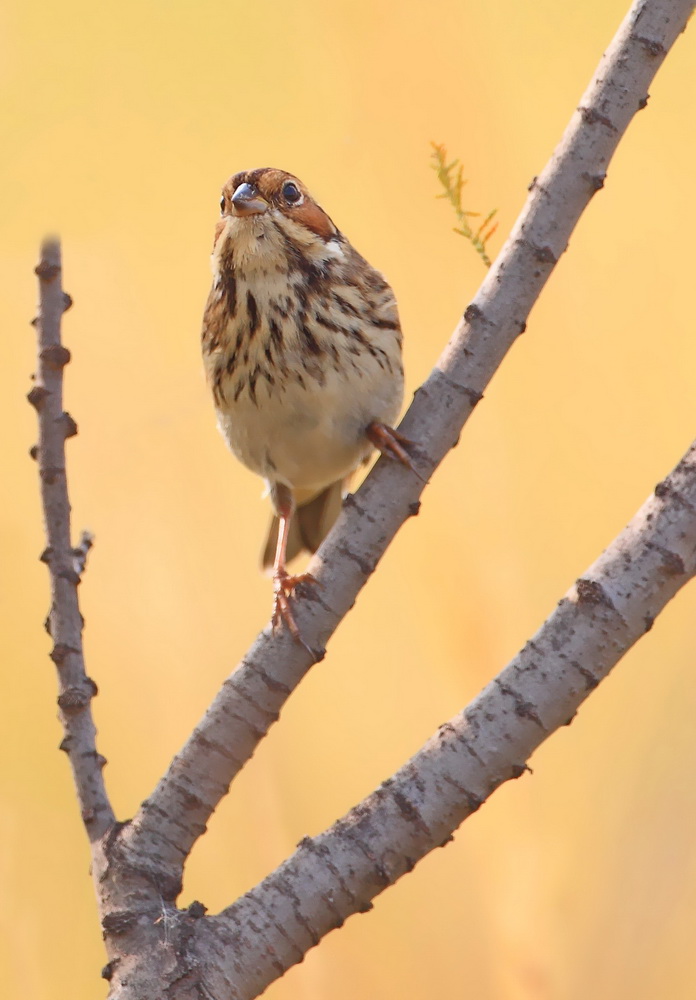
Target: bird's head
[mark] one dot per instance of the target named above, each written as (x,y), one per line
(267,210)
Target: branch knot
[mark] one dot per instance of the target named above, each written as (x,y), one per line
(55,356)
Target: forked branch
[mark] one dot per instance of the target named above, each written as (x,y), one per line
(156,949)
(252,697)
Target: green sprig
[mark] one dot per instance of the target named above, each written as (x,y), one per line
(451,177)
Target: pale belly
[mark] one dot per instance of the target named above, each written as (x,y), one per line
(307,438)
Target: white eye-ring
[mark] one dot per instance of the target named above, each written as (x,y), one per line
(292,194)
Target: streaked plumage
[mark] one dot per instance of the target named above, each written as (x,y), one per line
(302,350)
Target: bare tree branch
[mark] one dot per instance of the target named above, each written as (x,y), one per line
(250,700)
(156,950)
(339,872)
(65,564)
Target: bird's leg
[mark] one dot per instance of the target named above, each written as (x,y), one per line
(283,582)
(390,442)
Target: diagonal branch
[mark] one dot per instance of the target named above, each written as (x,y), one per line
(170,821)
(65,564)
(338,873)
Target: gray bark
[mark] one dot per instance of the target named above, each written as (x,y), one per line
(156,950)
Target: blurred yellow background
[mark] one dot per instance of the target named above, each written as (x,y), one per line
(120,124)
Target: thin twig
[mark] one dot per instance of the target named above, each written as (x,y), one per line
(65,564)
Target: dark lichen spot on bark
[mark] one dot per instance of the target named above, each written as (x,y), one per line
(592,593)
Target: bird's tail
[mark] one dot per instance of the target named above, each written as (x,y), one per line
(309,526)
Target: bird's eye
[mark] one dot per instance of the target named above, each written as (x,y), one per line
(291,193)
(222,204)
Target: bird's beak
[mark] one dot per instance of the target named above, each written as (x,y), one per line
(246,200)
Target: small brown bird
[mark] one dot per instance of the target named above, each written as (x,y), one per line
(302,351)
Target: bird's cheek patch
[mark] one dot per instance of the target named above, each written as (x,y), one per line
(314,219)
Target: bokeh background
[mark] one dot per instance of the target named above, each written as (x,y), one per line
(120,123)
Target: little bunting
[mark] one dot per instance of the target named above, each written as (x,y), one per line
(302,351)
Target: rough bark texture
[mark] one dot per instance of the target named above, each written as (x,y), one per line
(156,950)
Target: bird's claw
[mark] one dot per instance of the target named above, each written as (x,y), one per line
(390,442)
(284,586)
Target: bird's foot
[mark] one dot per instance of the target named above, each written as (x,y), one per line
(391,443)
(284,585)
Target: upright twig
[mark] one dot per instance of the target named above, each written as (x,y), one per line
(65,563)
